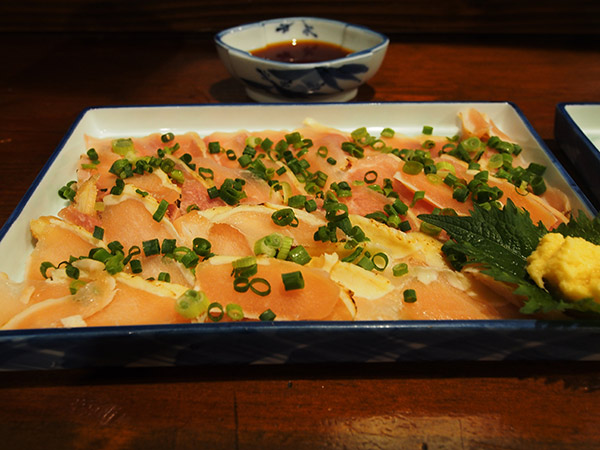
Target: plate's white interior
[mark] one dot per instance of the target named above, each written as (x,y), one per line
(587,118)
(406,118)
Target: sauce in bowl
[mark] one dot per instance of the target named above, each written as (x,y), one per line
(301,52)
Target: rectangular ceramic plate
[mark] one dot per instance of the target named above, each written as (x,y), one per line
(577,132)
(280,342)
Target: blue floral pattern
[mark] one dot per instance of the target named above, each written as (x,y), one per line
(308,30)
(298,83)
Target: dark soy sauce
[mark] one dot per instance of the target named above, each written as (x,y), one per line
(301,52)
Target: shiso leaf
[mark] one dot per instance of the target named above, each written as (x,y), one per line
(499,240)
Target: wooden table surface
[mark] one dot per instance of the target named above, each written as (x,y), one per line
(48,79)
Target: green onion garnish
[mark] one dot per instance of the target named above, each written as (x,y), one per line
(168,246)
(412,167)
(266,286)
(214,147)
(299,255)
(161,210)
(292,280)
(217,315)
(167,137)
(370,177)
(285,216)
(234,311)
(98,232)
(400,269)
(92,154)
(45,266)
(164,276)
(206,173)
(241,284)
(151,247)
(418,195)
(191,304)
(201,246)
(67,192)
(387,133)
(122,146)
(267,316)
(410,296)
(136,266)
(380,261)
(427,130)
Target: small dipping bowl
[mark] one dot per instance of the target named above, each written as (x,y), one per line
(273,81)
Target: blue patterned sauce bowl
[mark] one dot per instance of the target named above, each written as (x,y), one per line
(272,81)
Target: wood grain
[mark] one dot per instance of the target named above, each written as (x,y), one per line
(493,17)
(49,78)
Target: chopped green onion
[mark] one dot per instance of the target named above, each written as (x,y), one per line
(322,151)
(164,276)
(331,161)
(352,256)
(136,266)
(292,280)
(311,205)
(297,201)
(98,232)
(471,144)
(387,133)
(167,137)
(161,210)
(299,255)
(191,304)
(234,311)
(370,177)
(380,256)
(213,192)
(201,246)
(151,247)
(214,147)
(219,311)
(538,185)
(206,173)
(241,284)
(167,165)
(44,267)
(267,316)
(244,267)
(418,195)
(412,167)
(496,161)
(114,264)
(92,154)
(410,296)
(67,192)
(99,254)
(285,216)
(266,286)
(168,246)
(400,269)
(366,263)
(122,146)
(427,130)
(431,230)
